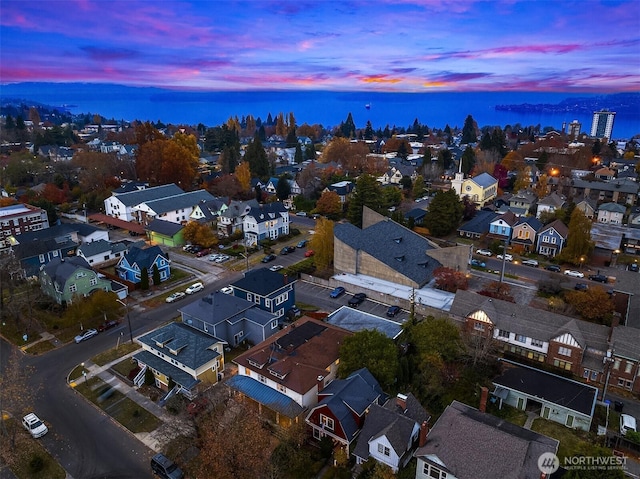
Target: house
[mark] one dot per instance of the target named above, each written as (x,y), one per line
(272,187)
(481,189)
(634,218)
(36,248)
(342,406)
(609,237)
(553,397)
(477,226)
(269,290)
(207,212)
(230,221)
(532,335)
(550,203)
(101,251)
(176,208)
(605,174)
(523,201)
(285,373)
(390,433)
(623,191)
(611,213)
(342,188)
(501,227)
(394,175)
(416,215)
(587,206)
(624,359)
(136,260)
(552,238)
(467,443)
(166,233)
(64,280)
(123,205)
(265,221)
(231,319)
(181,358)
(523,237)
(18,219)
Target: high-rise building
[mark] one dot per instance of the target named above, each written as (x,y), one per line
(574,129)
(602,124)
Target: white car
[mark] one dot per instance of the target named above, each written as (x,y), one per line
(484,252)
(530,262)
(573,273)
(175,297)
(213,257)
(89,333)
(222,258)
(507,257)
(34,425)
(627,423)
(194,288)
(227,290)
(276,267)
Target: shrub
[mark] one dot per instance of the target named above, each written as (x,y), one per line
(36,464)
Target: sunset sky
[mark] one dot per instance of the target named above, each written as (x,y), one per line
(395,45)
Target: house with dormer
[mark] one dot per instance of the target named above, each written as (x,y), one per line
(611,213)
(272,186)
(342,407)
(550,204)
(230,221)
(285,373)
(208,211)
(523,202)
(36,248)
(269,290)
(525,231)
(265,221)
(124,206)
(181,359)
(66,279)
(231,319)
(101,251)
(587,206)
(136,260)
(175,209)
(552,238)
(501,227)
(342,188)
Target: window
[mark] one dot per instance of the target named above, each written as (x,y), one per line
(504,334)
(238,337)
(41,258)
(562,364)
(616,364)
(282,389)
(564,351)
(326,422)
(478,326)
(594,375)
(628,367)
(537,343)
(586,374)
(382,449)
(262,379)
(249,297)
(274,324)
(520,338)
(93,281)
(73,288)
(434,472)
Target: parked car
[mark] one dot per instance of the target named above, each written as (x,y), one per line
(34,425)
(287,249)
(302,243)
(574,273)
(108,325)
(357,299)
(194,288)
(392,311)
(633,267)
(337,292)
(202,252)
(227,290)
(581,287)
(627,423)
(164,467)
(484,252)
(507,257)
(213,257)
(600,278)
(553,267)
(276,267)
(175,297)
(309,253)
(301,213)
(478,263)
(89,333)
(268,258)
(187,247)
(530,262)
(222,258)
(195,249)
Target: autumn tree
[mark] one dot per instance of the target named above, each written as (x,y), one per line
(594,305)
(449,279)
(522,179)
(329,204)
(579,243)
(322,243)
(498,290)
(373,350)
(367,193)
(243,175)
(200,234)
(444,213)
(542,184)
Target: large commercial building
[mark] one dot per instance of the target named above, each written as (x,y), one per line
(602,124)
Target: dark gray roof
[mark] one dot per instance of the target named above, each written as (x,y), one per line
(355,320)
(178,201)
(134,198)
(181,377)
(554,199)
(60,270)
(624,185)
(267,212)
(218,307)
(609,236)
(144,258)
(472,444)
(262,281)
(85,230)
(531,322)
(415,213)
(412,408)
(485,180)
(394,245)
(166,228)
(531,221)
(564,392)
(479,224)
(210,208)
(558,226)
(56,231)
(99,246)
(239,208)
(625,342)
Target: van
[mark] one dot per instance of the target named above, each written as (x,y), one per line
(627,423)
(164,467)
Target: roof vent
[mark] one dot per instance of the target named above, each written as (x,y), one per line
(320,378)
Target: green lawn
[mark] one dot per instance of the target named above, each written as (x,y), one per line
(114,353)
(571,440)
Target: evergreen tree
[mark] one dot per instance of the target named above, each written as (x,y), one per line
(486,143)
(368,194)
(144,279)
(348,128)
(444,213)
(292,139)
(445,159)
(579,243)
(368,131)
(262,134)
(156,275)
(283,189)
(469,134)
(542,160)
(468,160)
(257,158)
(298,158)
(310,152)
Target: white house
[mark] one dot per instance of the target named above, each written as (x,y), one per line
(122,205)
(611,213)
(268,221)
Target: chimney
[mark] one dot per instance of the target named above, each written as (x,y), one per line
(401,402)
(422,436)
(484,395)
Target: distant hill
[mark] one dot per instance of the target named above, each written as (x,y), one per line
(624,104)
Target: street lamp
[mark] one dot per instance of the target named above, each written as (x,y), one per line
(581,261)
(128,319)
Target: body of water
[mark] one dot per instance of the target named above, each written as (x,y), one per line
(324,107)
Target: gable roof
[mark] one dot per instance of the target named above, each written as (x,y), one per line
(479,224)
(509,217)
(394,245)
(559,226)
(166,228)
(179,201)
(532,221)
(218,307)
(612,207)
(471,444)
(134,198)
(60,269)
(485,180)
(144,258)
(266,212)
(554,199)
(100,246)
(262,281)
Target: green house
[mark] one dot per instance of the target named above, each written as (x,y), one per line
(65,279)
(165,233)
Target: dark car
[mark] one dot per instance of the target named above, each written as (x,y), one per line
(633,267)
(108,325)
(392,311)
(202,252)
(581,287)
(357,299)
(268,258)
(287,249)
(165,467)
(599,277)
(302,243)
(337,292)
(553,267)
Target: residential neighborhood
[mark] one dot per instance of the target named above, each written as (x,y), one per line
(418,303)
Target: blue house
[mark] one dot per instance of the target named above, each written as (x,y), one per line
(136,259)
(551,238)
(501,227)
(270,291)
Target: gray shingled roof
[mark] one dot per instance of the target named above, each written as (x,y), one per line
(485,180)
(479,223)
(144,258)
(613,207)
(166,228)
(99,246)
(394,245)
(179,201)
(134,198)
(472,444)
(218,307)
(625,342)
(61,270)
(262,281)
(267,212)
(623,186)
